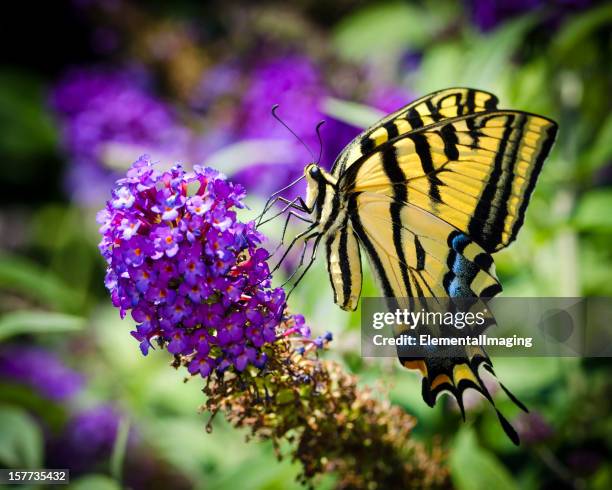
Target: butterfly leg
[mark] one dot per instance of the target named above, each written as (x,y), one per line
(274,197)
(302,205)
(289,205)
(292,244)
(282,240)
(313,256)
(302,256)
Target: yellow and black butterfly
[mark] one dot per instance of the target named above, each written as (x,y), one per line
(429,193)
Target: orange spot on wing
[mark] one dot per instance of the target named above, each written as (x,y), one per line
(439,380)
(420,365)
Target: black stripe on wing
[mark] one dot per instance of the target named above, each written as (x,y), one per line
(483,166)
(427,110)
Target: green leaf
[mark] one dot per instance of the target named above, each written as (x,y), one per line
(525,376)
(574,32)
(52,415)
(262,474)
(22,276)
(358,115)
(595,269)
(528,88)
(21,441)
(483,62)
(441,66)
(385,30)
(95,482)
(593,211)
(601,149)
(119,448)
(34,322)
(406,391)
(491,54)
(27,129)
(473,468)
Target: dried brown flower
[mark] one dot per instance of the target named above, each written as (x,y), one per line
(332,424)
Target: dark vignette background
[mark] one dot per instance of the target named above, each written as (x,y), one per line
(550,57)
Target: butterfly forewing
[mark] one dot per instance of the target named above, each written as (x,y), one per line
(427,110)
(476,172)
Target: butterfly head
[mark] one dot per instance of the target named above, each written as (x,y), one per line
(317,182)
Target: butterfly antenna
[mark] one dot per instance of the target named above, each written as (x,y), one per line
(318,130)
(277,117)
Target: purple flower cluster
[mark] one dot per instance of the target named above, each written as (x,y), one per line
(41,370)
(101,113)
(193,276)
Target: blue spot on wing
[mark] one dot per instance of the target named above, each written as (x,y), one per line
(459,242)
(462,271)
(459,288)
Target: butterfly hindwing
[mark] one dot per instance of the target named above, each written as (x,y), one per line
(430,259)
(425,111)
(416,254)
(344,267)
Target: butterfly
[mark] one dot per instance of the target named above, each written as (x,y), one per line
(429,193)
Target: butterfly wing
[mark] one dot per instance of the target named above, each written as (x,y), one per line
(415,254)
(431,205)
(427,110)
(476,172)
(344,267)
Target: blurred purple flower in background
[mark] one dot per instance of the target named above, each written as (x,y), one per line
(487,14)
(533,428)
(585,461)
(192,275)
(298,86)
(89,435)
(387,98)
(87,440)
(292,82)
(109,117)
(218,81)
(41,370)
(106,118)
(93,431)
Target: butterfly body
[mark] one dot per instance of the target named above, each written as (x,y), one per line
(429,193)
(323,199)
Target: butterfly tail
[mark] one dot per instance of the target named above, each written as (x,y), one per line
(454,375)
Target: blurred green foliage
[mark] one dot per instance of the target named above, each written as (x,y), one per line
(51,276)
